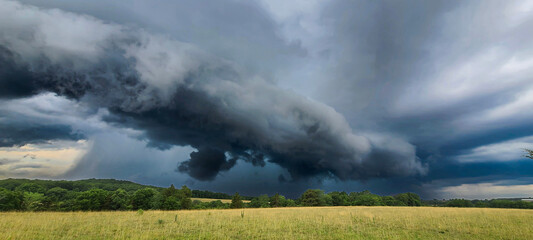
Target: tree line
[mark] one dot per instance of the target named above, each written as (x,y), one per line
(317,197)
(90,195)
(493,203)
(110,194)
(33,197)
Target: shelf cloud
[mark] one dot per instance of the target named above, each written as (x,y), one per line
(430,97)
(177,94)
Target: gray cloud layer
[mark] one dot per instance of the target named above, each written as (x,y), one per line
(180,95)
(447,75)
(451,77)
(440,87)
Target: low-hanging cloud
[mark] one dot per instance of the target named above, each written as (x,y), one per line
(180,95)
(17,134)
(206,164)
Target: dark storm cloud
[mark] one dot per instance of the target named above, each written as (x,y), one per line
(16,80)
(241,31)
(179,95)
(22,132)
(456,173)
(429,82)
(449,76)
(392,56)
(205,164)
(282,178)
(129,159)
(21,122)
(379,48)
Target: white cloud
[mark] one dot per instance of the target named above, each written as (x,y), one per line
(46,160)
(487,191)
(504,151)
(53,32)
(53,109)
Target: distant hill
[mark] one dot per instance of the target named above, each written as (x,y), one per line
(78,185)
(105,184)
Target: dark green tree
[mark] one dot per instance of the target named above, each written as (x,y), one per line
(290,203)
(276,200)
(368,199)
(390,201)
(186,203)
(185,195)
(354,196)
(157,200)
(339,198)
(56,193)
(33,201)
(408,199)
(217,204)
(170,191)
(459,203)
(256,202)
(313,197)
(119,200)
(10,200)
(142,198)
(480,203)
(186,191)
(197,204)
(94,200)
(264,201)
(31,187)
(174,199)
(326,199)
(171,203)
(236,201)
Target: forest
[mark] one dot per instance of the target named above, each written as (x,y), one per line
(111,194)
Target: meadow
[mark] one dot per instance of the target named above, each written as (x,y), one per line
(274,223)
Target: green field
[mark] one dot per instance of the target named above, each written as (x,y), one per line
(276,223)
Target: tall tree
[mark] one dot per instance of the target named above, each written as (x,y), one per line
(31,187)
(339,198)
(275,201)
(186,191)
(313,197)
(368,199)
(186,203)
(408,199)
(119,200)
(171,191)
(10,200)
(236,201)
(56,193)
(92,200)
(142,198)
(171,203)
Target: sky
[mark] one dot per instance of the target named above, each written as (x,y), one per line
(271,96)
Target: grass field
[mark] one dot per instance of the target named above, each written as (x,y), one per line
(279,223)
(212,199)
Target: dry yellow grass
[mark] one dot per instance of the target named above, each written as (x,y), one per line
(280,223)
(212,199)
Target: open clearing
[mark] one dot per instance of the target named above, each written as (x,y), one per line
(277,223)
